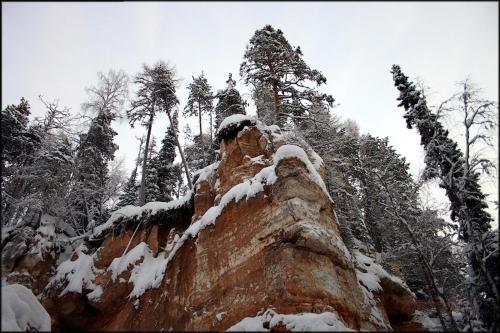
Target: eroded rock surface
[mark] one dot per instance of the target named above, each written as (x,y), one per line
(272,243)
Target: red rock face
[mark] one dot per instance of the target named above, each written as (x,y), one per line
(280,248)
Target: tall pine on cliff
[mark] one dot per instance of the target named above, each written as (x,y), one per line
(271,61)
(164,85)
(200,101)
(143,109)
(468,207)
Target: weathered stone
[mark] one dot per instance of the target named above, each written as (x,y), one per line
(280,248)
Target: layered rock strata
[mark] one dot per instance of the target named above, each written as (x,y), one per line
(259,232)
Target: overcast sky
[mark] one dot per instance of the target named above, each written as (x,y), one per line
(56,49)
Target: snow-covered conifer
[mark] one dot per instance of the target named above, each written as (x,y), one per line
(200,101)
(468,207)
(271,61)
(229,102)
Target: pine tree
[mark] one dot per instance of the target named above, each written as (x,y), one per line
(468,207)
(162,90)
(144,109)
(229,102)
(200,101)
(272,62)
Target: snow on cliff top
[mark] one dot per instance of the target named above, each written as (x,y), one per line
(326,321)
(292,151)
(150,208)
(235,120)
(21,310)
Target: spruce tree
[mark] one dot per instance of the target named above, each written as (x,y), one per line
(229,102)
(152,190)
(167,173)
(199,152)
(18,145)
(129,195)
(378,165)
(95,150)
(14,133)
(271,61)
(131,189)
(468,207)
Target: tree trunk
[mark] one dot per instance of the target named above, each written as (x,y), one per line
(190,185)
(199,120)
(201,136)
(142,195)
(277,105)
(137,162)
(211,128)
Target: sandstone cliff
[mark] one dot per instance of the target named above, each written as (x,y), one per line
(256,243)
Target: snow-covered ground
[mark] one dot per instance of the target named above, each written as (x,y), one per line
(430,324)
(21,310)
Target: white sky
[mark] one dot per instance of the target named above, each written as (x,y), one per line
(56,49)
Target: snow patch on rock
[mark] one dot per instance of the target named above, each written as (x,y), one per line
(370,282)
(326,321)
(45,236)
(235,120)
(375,272)
(206,172)
(132,212)
(147,274)
(78,274)
(292,151)
(430,324)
